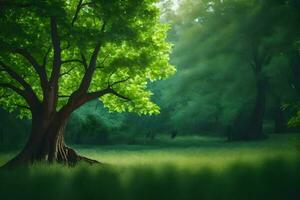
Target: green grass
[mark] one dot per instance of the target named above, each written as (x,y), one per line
(195,152)
(189,168)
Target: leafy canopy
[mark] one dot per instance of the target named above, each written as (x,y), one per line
(133,49)
(216,43)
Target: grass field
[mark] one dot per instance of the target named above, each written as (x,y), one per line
(184,168)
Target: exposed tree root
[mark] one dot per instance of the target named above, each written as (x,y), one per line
(65,155)
(69,157)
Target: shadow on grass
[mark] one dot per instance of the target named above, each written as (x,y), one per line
(275,179)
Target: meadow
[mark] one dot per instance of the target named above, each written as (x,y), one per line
(177,99)
(185,168)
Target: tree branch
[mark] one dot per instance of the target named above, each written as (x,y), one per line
(81,95)
(79,6)
(57,52)
(104,59)
(84,61)
(14,75)
(94,95)
(67,72)
(63,96)
(73,104)
(13,88)
(117,82)
(72,60)
(87,78)
(22,106)
(46,57)
(28,57)
(112,91)
(28,94)
(37,67)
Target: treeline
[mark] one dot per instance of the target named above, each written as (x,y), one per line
(238,75)
(238,67)
(90,125)
(13,131)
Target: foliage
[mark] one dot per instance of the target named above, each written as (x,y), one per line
(215,42)
(295,121)
(133,50)
(13,132)
(91,131)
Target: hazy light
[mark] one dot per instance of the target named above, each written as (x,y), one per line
(175,5)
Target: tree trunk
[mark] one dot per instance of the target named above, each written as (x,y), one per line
(1,136)
(255,126)
(280,124)
(46,143)
(294,59)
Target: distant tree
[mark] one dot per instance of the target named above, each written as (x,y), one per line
(174,134)
(93,131)
(57,55)
(13,132)
(260,35)
(225,52)
(295,64)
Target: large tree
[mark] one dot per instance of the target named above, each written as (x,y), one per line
(57,55)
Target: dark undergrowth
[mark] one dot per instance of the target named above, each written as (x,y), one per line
(274,179)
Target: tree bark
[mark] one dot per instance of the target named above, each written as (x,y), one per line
(46,144)
(280,123)
(294,60)
(255,126)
